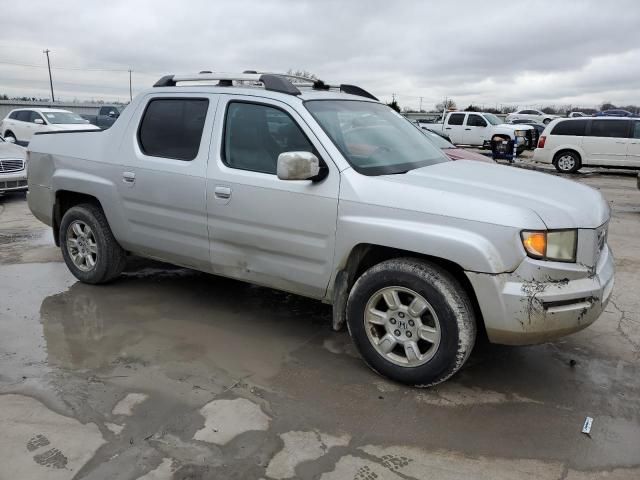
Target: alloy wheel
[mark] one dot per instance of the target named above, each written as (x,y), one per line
(82,246)
(402,326)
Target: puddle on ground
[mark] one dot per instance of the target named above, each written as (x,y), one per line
(174,316)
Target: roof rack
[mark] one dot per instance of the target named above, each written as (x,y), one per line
(276,82)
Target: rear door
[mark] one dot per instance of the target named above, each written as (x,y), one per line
(474,130)
(454,127)
(162,181)
(22,127)
(606,141)
(633,149)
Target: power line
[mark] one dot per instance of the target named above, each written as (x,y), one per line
(31,65)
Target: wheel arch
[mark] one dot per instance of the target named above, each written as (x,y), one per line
(64,200)
(365,255)
(562,150)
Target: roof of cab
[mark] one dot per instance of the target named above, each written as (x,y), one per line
(270,85)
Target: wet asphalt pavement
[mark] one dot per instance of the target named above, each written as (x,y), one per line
(169,373)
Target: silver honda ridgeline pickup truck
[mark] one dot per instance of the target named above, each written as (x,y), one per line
(323,191)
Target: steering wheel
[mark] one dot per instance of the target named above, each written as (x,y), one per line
(377,151)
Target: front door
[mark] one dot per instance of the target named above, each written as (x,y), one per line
(605,142)
(162,184)
(265,230)
(474,130)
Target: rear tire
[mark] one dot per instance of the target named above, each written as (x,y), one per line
(411,321)
(567,162)
(88,246)
(546,121)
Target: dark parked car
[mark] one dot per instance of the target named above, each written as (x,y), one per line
(614,113)
(106,116)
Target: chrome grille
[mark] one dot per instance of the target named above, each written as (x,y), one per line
(11,165)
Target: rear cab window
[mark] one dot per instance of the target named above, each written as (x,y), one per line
(574,128)
(172,127)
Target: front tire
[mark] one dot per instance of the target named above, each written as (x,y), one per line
(88,246)
(411,321)
(567,162)
(546,121)
(10,134)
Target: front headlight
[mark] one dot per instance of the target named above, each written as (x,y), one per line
(520,133)
(556,245)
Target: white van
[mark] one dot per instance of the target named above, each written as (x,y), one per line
(572,143)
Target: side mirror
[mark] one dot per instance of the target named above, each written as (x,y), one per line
(39,121)
(297,166)
(9,139)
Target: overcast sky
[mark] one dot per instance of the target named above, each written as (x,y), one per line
(523,53)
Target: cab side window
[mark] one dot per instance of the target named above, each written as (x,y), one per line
(476,121)
(456,119)
(255,135)
(172,127)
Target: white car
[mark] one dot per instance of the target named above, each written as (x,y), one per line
(20,125)
(13,167)
(572,143)
(577,115)
(536,115)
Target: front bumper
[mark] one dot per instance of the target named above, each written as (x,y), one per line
(541,301)
(12,182)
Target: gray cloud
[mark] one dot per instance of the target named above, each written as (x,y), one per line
(525,53)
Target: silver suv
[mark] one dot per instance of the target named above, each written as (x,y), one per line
(323,191)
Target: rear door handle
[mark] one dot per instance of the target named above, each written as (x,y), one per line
(467,129)
(448,128)
(128,177)
(222,192)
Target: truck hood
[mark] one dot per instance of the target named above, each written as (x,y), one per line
(497,194)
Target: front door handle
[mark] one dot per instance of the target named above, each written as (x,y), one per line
(467,129)
(222,192)
(448,128)
(128,177)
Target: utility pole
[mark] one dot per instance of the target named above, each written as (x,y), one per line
(46,52)
(130,91)
(420,109)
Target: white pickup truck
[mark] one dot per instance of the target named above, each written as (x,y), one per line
(479,128)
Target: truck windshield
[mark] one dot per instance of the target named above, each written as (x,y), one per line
(373,138)
(492,119)
(64,118)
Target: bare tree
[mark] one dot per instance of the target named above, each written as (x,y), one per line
(301,73)
(448,104)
